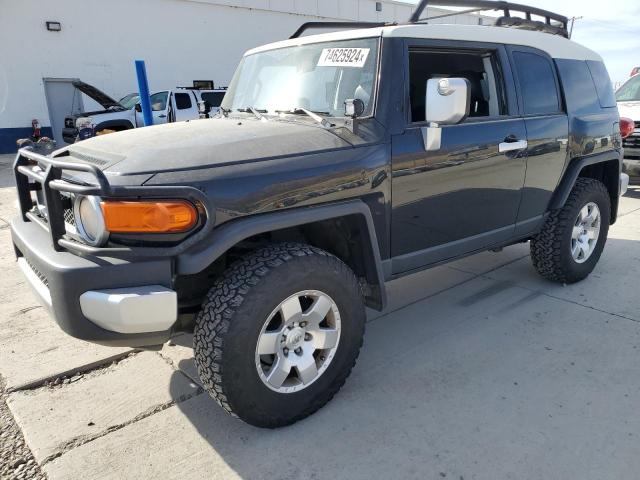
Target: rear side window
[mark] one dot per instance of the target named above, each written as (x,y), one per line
(183,101)
(213,98)
(577,84)
(603,83)
(537,83)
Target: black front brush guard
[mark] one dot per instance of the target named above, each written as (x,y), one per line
(34,172)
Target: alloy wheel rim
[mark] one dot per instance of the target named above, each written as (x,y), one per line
(298,341)
(585,233)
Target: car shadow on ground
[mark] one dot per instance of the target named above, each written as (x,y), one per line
(494,378)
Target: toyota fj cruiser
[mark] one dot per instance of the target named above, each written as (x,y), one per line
(339,161)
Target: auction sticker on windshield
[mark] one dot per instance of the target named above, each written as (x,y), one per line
(343,57)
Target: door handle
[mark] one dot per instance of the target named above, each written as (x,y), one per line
(162,116)
(513,145)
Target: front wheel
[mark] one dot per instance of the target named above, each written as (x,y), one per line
(571,241)
(279,333)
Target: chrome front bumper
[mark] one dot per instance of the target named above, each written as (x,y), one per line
(144,309)
(151,308)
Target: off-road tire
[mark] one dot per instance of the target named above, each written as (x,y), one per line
(551,248)
(234,311)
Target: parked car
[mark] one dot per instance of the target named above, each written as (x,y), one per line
(209,106)
(628,98)
(340,161)
(174,105)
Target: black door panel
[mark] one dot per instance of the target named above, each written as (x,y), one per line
(466,189)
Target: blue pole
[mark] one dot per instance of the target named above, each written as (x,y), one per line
(143,89)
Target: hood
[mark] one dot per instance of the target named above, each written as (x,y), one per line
(202,144)
(98,95)
(89,114)
(630,110)
(102,115)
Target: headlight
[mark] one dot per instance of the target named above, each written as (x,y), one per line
(84,122)
(90,220)
(96,218)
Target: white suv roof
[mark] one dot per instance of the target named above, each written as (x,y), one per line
(555,45)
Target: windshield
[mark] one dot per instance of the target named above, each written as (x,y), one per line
(630,91)
(317,77)
(129,101)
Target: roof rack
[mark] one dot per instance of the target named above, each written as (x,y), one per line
(310,25)
(527,23)
(561,28)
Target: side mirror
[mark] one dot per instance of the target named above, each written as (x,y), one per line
(353,107)
(447,102)
(138,108)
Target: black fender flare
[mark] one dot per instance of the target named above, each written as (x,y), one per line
(222,238)
(572,172)
(113,123)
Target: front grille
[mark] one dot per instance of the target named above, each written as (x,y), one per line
(38,273)
(40,210)
(632,141)
(69,217)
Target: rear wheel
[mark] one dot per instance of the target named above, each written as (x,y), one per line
(279,333)
(571,241)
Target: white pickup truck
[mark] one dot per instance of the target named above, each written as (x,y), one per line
(628,97)
(174,105)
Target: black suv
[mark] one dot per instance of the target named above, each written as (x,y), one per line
(339,161)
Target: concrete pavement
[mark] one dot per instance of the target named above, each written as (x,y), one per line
(478,369)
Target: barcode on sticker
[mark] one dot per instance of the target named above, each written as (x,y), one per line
(343,57)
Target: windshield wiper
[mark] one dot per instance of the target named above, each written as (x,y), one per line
(315,115)
(255,111)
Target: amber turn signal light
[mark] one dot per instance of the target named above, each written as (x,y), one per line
(149,217)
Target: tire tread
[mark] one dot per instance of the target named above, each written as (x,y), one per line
(547,247)
(228,293)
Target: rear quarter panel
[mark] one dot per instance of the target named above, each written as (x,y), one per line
(593,125)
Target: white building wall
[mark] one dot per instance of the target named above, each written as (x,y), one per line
(180,40)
